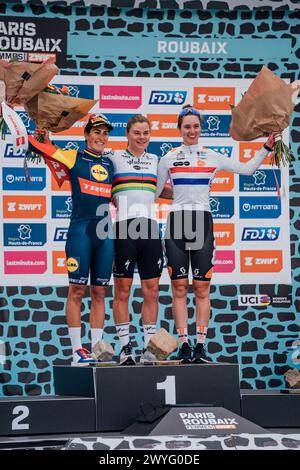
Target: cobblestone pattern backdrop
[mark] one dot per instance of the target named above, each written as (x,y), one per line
(261,339)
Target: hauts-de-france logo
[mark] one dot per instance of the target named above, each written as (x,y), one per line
(99,173)
(72,265)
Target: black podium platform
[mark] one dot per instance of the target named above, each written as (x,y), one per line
(46,415)
(122,393)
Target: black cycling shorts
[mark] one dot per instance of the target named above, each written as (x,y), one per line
(137,241)
(189,239)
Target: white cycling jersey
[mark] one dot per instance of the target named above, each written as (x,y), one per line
(192,170)
(134,184)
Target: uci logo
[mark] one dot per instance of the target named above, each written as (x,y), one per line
(99,173)
(72,265)
(181,163)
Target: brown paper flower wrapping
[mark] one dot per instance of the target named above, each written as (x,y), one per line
(266,107)
(57,113)
(23,80)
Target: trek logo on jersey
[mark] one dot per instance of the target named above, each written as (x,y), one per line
(264,261)
(215,125)
(223,182)
(267,207)
(61,234)
(78,91)
(224,261)
(98,172)
(222,207)
(223,150)
(59,262)
(163,125)
(247,151)
(25,262)
(167,97)
(259,300)
(61,207)
(9,152)
(24,207)
(94,188)
(24,234)
(260,181)
(214,98)
(162,148)
(121,97)
(257,234)
(224,234)
(14,179)
(72,264)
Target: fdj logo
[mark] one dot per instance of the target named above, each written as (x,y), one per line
(99,173)
(72,264)
(260,233)
(167,97)
(60,234)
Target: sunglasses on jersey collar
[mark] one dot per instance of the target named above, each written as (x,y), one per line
(187,111)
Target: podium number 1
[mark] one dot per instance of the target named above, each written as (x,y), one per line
(23,413)
(169,386)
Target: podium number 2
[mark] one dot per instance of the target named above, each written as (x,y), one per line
(169,386)
(22,413)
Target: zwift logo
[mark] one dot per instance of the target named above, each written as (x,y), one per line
(167,97)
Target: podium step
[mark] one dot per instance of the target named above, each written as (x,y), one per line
(122,393)
(270,408)
(45,415)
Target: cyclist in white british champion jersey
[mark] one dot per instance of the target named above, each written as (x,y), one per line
(191,169)
(137,240)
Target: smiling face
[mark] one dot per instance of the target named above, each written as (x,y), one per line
(97,138)
(190,129)
(138,138)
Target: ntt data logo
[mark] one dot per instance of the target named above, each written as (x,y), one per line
(167,97)
(260,207)
(259,300)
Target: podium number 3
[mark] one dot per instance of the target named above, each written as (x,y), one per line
(169,386)
(22,413)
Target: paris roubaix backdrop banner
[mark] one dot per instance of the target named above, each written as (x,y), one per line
(251,217)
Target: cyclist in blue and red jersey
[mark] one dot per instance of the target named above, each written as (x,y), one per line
(89,247)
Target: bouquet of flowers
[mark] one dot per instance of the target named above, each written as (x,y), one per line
(23,80)
(266,107)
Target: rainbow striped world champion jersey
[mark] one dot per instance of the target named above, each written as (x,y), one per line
(134,184)
(192,170)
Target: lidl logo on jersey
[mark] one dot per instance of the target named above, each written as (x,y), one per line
(266,261)
(222,207)
(259,300)
(98,172)
(14,179)
(119,121)
(164,97)
(223,150)
(78,91)
(163,147)
(61,207)
(257,234)
(61,234)
(70,145)
(267,207)
(215,125)
(261,181)
(9,152)
(24,207)
(218,98)
(72,264)
(24,234)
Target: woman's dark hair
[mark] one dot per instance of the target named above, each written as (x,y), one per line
(186,110)
(134,119)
